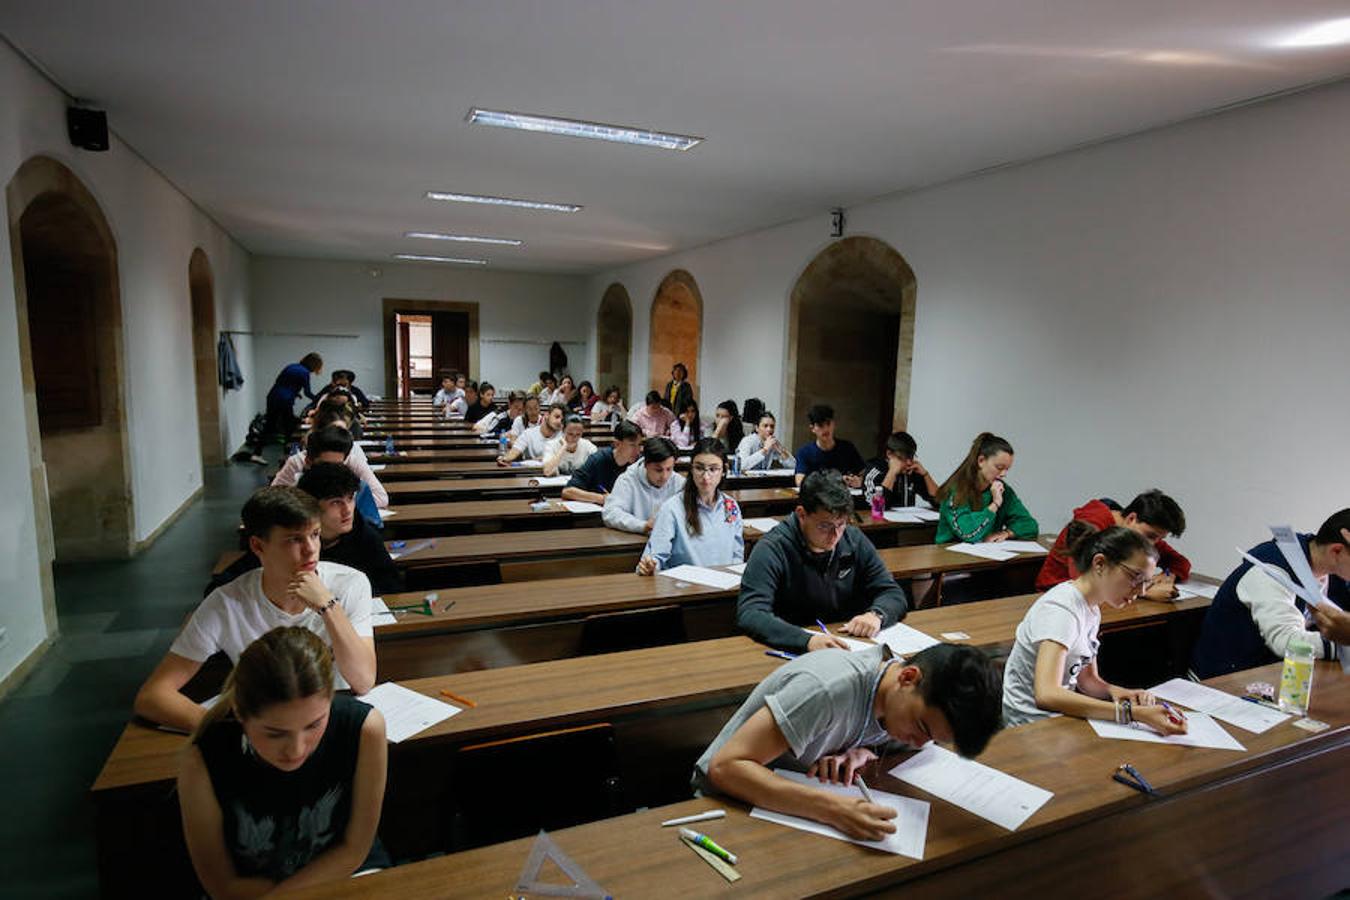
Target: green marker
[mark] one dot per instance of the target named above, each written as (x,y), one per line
(708,844)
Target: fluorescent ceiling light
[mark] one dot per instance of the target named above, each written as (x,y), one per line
(1325,34)
(417,257)
(465,238)
(502,201)
(577,128)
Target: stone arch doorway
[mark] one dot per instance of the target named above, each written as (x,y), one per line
(614,341)
(676,330)
(201,289)
(70,347)
(851,341)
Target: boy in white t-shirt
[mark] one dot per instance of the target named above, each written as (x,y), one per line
(537,441)
(292,587)
(565,455)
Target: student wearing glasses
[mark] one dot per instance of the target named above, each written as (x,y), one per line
(813,566)
(1053,664)
(700,526)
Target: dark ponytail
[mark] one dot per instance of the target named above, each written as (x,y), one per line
(1083,542)
(713,447)
(963,486)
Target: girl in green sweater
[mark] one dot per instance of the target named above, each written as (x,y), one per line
(977,505)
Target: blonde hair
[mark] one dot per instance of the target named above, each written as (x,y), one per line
(284,664)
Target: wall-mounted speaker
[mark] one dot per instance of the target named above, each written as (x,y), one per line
(88,128)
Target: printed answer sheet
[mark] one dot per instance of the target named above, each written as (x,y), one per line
(911,817)
(975,787)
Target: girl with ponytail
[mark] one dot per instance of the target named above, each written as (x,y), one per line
(282,782)
(977,505)
(1053,664)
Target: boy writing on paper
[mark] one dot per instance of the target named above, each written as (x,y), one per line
(815,565)
(829,714)
(1153,514)
(1253,617)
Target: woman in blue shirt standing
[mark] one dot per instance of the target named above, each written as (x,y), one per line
(280,416)
(701,525)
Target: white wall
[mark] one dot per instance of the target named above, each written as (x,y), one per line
(156,229)
(1170,309)
(519,315)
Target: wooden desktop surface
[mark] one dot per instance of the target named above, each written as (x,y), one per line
(612,686)
(1267,821)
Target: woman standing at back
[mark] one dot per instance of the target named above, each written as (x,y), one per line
(977,504)
(279,417)
(283,781)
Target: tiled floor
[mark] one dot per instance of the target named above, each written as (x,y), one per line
(117,619)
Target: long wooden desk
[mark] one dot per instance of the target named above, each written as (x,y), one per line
(529,555)
(490,626)
(665,704)
(511,514)
(1265,822)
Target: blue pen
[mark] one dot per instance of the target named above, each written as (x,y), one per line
(823,629)
(781,654)
(1172,713)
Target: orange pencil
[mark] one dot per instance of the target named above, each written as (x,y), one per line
(465,701)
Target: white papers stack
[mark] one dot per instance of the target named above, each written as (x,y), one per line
(1023,547)
(377,467)
(581,507)
(529,463)
(780,472)
(762,524)
(1251,717)
(703,575)
(975,787)
(903,640)
(369,443)
(904,518)
(379,612)
(406,712)
(987,551)
(911,819)
(738,568)
(924,513)
(1197,589)
(1202,731)
(551,480)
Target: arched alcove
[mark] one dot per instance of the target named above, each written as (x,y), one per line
(851,341)
(676,330)
(613,340)
(201,288)
(70,346)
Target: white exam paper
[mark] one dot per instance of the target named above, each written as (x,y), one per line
(703,575)
(925,513)
(1251,717)
(582,507)
(904,518)
(738,568)
(1022,547)
(1197,589)
(380,613)
(1201,731)
(975,787)
(903,640)
(763,524)
(1287,541)
(377,467)
(911,819)
(551,480)
(406,712)
(987,551)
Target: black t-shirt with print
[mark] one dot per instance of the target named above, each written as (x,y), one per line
(275,823)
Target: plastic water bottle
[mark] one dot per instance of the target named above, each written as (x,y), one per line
(389,445)
(735,465)
(1296,677)
(878,501)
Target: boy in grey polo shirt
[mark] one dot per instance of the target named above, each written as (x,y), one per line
(823,712)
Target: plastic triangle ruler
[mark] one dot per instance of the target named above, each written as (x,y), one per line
(529,883)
